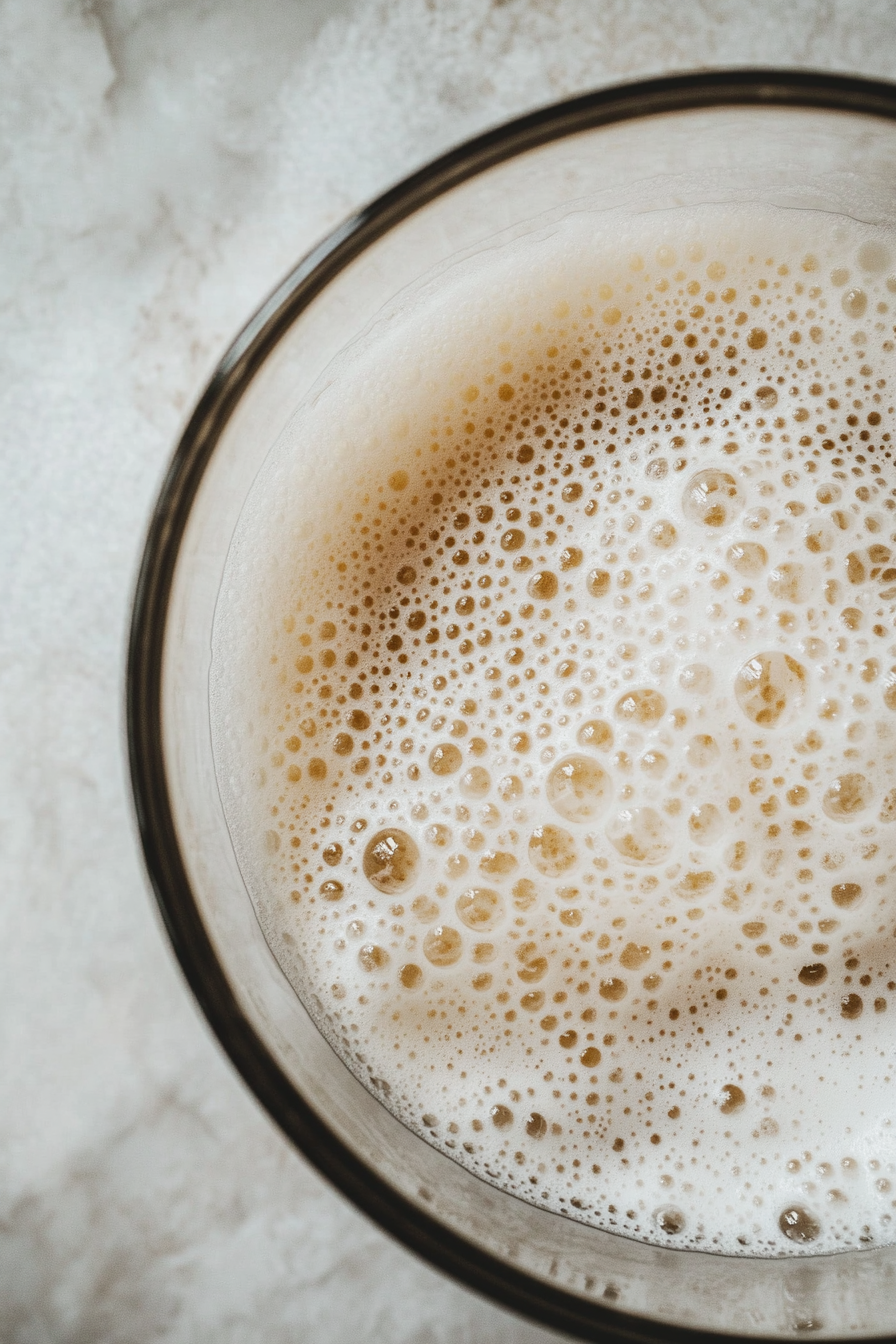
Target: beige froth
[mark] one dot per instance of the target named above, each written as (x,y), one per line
(554,716)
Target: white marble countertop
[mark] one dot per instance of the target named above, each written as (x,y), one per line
(162,164)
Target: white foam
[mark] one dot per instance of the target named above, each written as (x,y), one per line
(553,723)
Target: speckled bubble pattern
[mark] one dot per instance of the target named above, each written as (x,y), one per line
(554,713)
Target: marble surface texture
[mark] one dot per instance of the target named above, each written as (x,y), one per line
(162,164)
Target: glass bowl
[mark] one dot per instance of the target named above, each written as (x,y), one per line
(790,139)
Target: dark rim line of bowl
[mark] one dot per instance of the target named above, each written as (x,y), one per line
(532,1298)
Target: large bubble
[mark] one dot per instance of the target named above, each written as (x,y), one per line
(579,789)
(770,687)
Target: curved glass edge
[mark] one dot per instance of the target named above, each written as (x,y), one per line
(538,1301)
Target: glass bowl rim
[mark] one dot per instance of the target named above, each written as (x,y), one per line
(413,1227)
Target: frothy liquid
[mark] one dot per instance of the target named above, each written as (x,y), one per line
(554,698)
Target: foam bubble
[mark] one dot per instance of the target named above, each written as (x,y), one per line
(578,788)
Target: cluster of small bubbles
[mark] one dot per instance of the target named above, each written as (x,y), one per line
(575,742)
